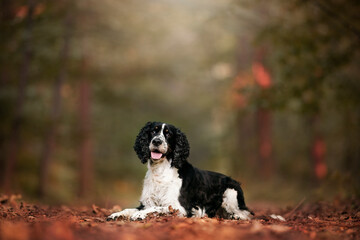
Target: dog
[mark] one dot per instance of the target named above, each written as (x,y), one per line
(172,182)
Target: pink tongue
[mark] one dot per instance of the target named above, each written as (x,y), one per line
(155,155)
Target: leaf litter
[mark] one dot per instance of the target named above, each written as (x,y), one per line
(20,220)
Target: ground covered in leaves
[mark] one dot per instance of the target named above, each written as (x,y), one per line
(322,220)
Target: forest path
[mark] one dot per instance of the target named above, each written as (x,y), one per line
(23,221)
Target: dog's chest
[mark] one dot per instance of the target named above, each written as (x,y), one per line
(161,186)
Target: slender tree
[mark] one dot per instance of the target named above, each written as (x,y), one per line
(50,138)
(263,118)
(14,142)
(85,147)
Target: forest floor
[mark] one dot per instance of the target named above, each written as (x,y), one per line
(321,220)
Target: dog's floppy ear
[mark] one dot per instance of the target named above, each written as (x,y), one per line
(182,149)
(142,142)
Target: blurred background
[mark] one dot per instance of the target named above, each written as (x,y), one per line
(266,92)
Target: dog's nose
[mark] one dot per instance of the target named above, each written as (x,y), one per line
(156,141)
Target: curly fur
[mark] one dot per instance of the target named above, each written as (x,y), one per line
(181,151)
(142,142)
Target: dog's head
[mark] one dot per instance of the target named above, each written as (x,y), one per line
(160,141)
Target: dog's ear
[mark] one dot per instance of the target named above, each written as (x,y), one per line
(142,142)
(181,151)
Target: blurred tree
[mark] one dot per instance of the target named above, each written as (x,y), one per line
(7,15)
(84,124)
(27,13)
(263,118)
(258,79)
(318,149)
(50,137)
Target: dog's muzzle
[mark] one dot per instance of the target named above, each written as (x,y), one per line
(158,148)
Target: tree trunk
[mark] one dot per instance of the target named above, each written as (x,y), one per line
(317,149)
(263,118)
(49,141)
(85,158)
(265,161)
(351,159)
(14,142)
(6,16)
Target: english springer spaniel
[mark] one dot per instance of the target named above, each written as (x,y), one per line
(172,181)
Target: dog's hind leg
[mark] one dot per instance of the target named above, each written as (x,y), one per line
(233,207)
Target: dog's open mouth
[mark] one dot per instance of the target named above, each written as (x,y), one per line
(156,155)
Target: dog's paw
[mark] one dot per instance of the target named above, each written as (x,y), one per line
(198,212)
(242,215)
(138,216)
(124,214)
(114,216)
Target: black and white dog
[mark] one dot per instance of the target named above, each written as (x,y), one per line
(172,181)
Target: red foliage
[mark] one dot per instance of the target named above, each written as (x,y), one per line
(261,75)
(22,11)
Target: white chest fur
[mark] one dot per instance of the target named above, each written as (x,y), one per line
(162,186)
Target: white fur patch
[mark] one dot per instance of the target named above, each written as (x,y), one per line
(162,187)
(230,204)
(161,190)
